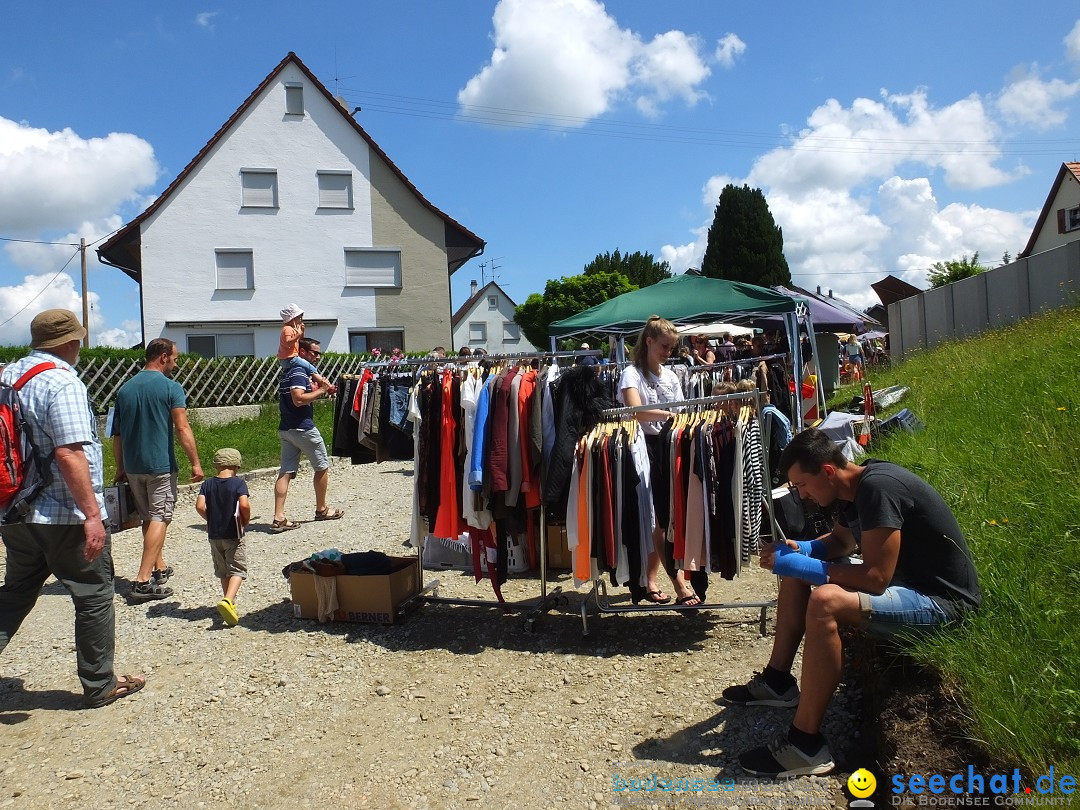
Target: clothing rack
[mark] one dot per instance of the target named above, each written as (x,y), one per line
(729,363)
(598,594)
(534,607)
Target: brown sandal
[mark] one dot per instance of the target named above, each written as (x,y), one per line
(125,685)
(330,514)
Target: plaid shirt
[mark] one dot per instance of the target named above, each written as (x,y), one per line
(57,409)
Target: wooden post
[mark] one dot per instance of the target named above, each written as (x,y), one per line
(85,302)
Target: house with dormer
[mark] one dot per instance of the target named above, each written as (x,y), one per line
(292,201)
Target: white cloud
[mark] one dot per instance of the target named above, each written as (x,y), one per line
(1030,100)
(1072,43)
(568,61)
(845,147)
(728,49)
(205,19)
(19,303)
(56,179)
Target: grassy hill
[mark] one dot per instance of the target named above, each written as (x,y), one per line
(1003,427)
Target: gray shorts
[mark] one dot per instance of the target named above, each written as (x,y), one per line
(309,442)
(230,558)
(155,496)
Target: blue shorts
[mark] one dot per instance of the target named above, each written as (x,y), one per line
(900,611)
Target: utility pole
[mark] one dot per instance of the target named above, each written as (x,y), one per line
(85,302)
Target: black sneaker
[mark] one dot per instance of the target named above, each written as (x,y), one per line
(161,575)
(781,758)
(758,693)
(148,591)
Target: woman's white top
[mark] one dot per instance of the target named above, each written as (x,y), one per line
(652,390)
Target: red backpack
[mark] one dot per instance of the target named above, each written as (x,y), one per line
(22,473)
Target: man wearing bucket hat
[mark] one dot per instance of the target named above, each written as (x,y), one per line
(63,533)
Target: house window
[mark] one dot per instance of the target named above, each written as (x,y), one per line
(511,332)
(385,340)
(225,345)
(372,267)
(294,99)
(477,331)
(1072,218)
(335,189)
(235,269)
(258,188)
(493,302)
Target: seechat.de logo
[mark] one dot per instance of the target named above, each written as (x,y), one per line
(861,784)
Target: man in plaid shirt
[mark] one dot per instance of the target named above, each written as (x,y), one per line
(64,534)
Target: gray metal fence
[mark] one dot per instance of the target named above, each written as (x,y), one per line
(990,300)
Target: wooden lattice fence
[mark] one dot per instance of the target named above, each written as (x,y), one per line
(208,383)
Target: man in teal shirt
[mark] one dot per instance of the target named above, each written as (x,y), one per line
(151,411)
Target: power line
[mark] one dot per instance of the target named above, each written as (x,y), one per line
(36,242)
(509,118)
(43,289)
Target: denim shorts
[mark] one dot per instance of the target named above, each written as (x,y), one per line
(309,442)
(399,407)
(900,611)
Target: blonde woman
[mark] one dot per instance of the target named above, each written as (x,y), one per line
(647,381)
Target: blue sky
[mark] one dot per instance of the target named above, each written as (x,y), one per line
(885,136)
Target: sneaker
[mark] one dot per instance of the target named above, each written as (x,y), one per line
(147,591)
(161,575)
(782,758)
(759,693)
(227,609)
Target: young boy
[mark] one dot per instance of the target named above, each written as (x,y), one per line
(223,502)
(292,329)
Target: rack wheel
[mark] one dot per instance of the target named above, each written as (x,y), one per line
(529,625)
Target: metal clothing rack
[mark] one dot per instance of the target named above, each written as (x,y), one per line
(598,594)
(534,607)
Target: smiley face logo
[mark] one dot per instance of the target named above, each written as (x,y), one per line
(861,783)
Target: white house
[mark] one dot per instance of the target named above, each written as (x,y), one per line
(486,321)
(291,201)
(1059,220)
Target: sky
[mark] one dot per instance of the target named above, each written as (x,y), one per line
(885,137)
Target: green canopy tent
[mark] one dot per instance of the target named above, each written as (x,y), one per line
(689,299)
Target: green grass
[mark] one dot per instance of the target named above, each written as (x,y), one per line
(256,439)
(1002,414)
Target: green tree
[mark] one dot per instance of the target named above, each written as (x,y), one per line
(745,243)
(642,269)
(565,297)
(943,273)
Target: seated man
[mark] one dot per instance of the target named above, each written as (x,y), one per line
(916,575)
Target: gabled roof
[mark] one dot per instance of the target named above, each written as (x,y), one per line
(465,308)
(122,249)
(892,289)
(1071,168)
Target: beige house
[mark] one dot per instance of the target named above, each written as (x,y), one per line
(1059,220)
(291,201)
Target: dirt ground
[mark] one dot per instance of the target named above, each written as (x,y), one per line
(454,707)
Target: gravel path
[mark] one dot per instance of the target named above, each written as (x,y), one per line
(456,707)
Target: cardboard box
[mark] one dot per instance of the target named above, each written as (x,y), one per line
(558,554)
(369,598)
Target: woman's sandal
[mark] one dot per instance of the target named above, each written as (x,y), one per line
(693,600)
(657,597)
(283,525)
(330,514)
(125,685)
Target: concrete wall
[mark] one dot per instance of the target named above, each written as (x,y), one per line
(998,297)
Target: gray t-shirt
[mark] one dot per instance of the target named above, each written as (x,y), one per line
(934,557)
